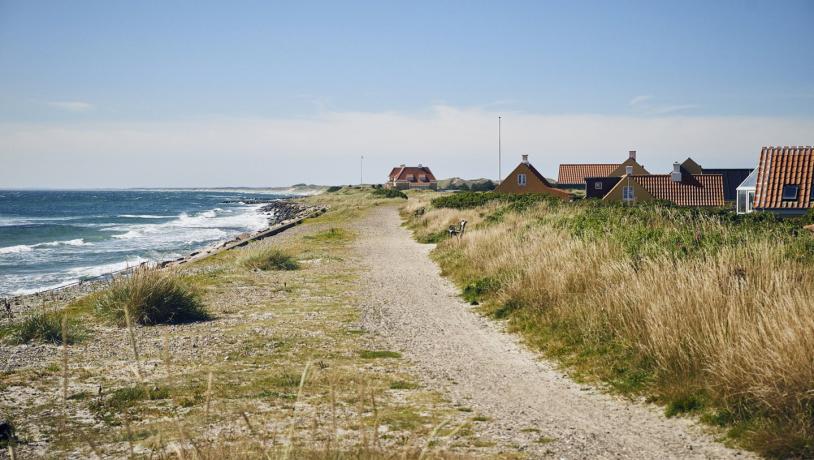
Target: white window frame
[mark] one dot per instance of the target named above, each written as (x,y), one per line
(628,193)
(521,180)
(597,185)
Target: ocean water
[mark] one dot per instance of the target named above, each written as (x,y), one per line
(53,238)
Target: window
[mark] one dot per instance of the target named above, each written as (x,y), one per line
(597,185)
(790,192)
(521,180)
(627,193)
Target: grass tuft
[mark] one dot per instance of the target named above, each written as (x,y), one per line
(152,296)
(269,258)
(376,354)
(46,328)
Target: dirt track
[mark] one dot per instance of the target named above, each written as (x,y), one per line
(531,405)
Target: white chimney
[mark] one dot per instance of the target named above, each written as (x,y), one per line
(419,165)
(631,154)
(525,159)
(677,176)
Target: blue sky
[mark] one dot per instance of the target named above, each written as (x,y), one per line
(294,84)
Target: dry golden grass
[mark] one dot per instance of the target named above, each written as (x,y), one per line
(729,331)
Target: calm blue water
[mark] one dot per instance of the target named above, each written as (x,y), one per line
(51,238)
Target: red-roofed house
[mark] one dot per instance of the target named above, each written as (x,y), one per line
(784,183)
(575,175)
(679,187)
(411,177)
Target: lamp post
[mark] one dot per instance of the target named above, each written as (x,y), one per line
(361,176)
(499,151)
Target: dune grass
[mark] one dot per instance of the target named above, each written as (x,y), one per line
(151,296)
(46,327)
(266,257)
(703,311)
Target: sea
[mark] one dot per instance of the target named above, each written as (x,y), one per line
(54,238)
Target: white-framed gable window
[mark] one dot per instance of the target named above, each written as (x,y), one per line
(521,180)
(597,185)
(628,194)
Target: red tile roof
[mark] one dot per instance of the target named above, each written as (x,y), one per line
(575,174)
(694,190)
(412,174)
(781,166)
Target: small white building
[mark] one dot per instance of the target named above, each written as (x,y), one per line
(746,194)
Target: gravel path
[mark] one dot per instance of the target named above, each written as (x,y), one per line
(532,405)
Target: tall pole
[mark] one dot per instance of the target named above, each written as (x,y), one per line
(499,151)
(361,177)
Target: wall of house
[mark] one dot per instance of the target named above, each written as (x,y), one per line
(640,194)
(607,185)
(533,184)
(638,170)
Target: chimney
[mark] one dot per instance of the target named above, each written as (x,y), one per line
(403,166)
(419,165)
(525,159)
(677,175)
(631,154)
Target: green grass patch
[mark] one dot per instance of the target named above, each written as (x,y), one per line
(269,258)
(403,385)
(378,354)
(124,398)
(45,328)
(388,193)
(152,296)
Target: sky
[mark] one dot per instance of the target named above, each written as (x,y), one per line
(203,94)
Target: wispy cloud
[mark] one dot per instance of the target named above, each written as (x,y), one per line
(639,100)
(71,106)
(648,105)
(325,148)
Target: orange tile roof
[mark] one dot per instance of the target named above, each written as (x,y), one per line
(781,166)
(694,190)
(575,174)
(412,174)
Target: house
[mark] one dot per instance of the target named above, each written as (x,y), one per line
(746,194)
(784,183)
(575,175)
(526,179)
(680,188)
(411,177)
(733,177)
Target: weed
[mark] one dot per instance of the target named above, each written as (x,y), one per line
(388,193)
(376,354)
(269,258)
(46,328)
(151,296)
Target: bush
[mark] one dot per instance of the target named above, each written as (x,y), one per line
(388,193)
(334,188)
(46,328)
(151,296)
(270,258)
(469,200)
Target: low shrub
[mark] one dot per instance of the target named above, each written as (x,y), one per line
(334,189)
(46,328)
(270,258)
(388,193)
(151,296)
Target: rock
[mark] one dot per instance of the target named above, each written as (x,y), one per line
(6,431)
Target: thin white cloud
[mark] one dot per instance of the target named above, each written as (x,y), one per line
(638,100)
(71,106)
(326,148)
(668,109)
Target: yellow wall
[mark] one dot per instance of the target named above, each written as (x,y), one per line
(533,184)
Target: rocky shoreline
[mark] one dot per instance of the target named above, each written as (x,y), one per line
(278,212)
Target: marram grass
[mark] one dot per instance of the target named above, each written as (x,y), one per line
(151,296)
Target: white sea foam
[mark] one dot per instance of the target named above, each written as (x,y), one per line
(23,291)
(99,270)
(30,247)
(142,216)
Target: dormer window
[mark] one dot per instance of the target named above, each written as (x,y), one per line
(521,180)
(790,192)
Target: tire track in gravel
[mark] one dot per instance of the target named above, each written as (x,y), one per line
(532,405)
